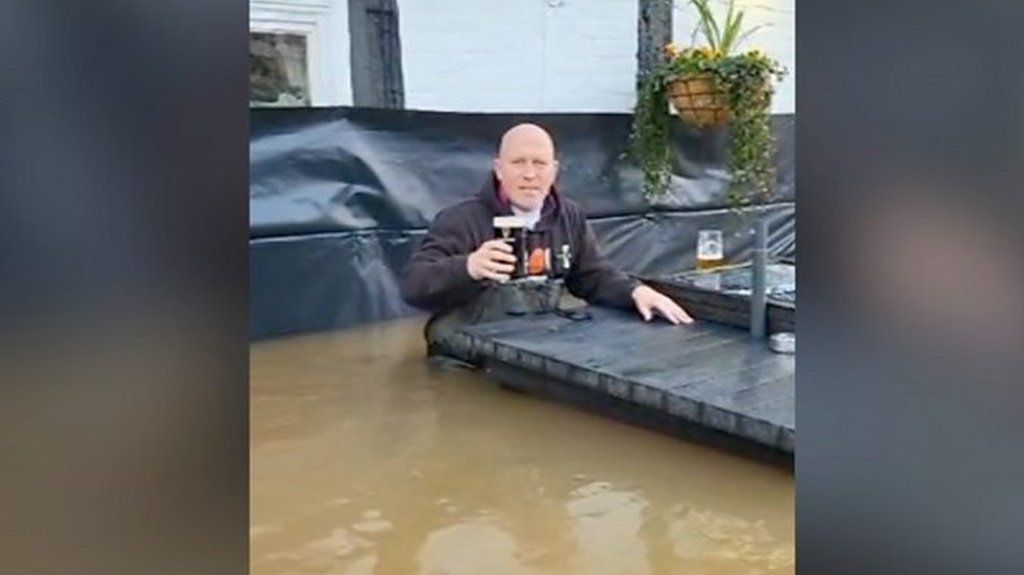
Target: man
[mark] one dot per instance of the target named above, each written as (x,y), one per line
(460,272)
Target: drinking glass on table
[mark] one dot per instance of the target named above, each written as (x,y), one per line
(710,249)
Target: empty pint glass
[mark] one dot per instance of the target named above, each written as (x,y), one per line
(512,229)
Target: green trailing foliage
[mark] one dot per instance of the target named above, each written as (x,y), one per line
(747,82)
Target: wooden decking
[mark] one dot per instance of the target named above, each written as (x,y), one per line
(706,376)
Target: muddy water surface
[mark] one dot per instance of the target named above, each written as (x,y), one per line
(365,459)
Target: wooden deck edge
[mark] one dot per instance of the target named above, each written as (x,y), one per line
(596,400)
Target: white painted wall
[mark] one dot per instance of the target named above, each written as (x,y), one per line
(553,55)
(519,55)
(514,55)
(325,25)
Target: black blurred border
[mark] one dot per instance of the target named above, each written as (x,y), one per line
(910,148)
(123,338)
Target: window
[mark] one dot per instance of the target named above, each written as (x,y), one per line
(299,53)
(278,70)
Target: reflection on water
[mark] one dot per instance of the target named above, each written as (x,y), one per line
(367,460)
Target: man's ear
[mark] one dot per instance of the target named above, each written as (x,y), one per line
(496,164)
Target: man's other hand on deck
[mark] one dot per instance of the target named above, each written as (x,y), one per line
(648,301)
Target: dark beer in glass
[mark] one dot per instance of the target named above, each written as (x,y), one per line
(512,229)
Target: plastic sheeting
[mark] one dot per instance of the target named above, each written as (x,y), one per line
(340,197)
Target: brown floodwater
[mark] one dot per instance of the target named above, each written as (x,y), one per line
(366,459)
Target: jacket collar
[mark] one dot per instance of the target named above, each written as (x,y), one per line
(495,199)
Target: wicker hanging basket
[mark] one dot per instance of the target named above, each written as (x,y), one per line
(698,101)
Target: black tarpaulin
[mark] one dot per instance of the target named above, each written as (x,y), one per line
(339,198)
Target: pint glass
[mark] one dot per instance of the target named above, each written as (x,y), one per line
(512,229)
(710,249)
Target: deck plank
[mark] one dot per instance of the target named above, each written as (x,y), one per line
(706,374)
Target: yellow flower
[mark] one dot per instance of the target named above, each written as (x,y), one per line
(707,52)
(671,50)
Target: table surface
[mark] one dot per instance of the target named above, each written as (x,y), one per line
(705,373)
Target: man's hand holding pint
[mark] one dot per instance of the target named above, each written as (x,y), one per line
(493,260)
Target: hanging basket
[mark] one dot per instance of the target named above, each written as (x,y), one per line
(699,101)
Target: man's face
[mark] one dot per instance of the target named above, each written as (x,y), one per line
(526,168)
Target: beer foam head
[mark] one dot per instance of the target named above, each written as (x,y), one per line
(508,222)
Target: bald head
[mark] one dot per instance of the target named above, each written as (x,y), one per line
(526,165)
(525,134)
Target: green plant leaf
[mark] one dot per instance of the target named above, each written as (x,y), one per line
(707,20)
(747,34)
(732,29)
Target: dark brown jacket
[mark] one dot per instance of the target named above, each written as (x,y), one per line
(436,279)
